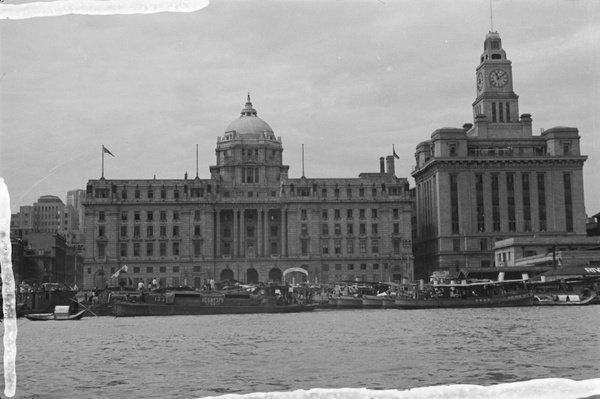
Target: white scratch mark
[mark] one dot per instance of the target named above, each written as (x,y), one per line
(98,7)
(8,295)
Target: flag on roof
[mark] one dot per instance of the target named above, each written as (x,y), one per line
(106,151)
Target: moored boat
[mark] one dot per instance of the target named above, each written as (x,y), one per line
(372,301)
(468,295)
(564,300)
(266,299)
(61,313)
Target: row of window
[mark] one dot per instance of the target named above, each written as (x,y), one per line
(337,214)
(149,248)
(152,269)
(304,191)
(350,266)
(337,229)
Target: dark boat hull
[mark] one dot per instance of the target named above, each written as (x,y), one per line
(172,304)
(475,302)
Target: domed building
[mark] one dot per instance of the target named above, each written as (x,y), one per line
(249,222)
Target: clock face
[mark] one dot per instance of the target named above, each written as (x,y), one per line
(498,78)
(479,81)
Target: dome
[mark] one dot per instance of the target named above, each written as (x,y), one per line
(248,122)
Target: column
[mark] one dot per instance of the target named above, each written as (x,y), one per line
(265,233)
(259,232)
(283,232)
(242,233)
(235,234)
(217,234)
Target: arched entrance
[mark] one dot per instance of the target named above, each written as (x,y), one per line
(275,275)
(297,274)
(251,276)
(227,274)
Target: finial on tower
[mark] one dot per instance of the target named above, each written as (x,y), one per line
(491,18)
(248,96)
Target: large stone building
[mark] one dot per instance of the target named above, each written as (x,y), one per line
(249,221)
(494,179)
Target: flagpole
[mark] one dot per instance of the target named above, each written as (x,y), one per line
(103,161)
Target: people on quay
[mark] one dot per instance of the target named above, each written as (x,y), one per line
(141,286)
(154,283)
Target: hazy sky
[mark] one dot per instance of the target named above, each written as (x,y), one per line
(348,79)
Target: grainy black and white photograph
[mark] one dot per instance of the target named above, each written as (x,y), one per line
(300,199)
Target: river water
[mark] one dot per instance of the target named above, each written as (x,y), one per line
(198,356)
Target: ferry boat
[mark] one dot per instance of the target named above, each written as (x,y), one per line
(468,295)
(43,299)
(264,299)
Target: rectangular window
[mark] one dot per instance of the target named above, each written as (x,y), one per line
(338,229)
(362,229)
(163,249)
(480,203)
(510,197)
(325,229)
(149,231)
(137,193)
(149,269)
(150,216)
(175,216)
(124,216)
(374,229)
(273,248)
(541,186)
(123,231)
(136,249)
(196,215)
(101,230)
(197,230)
(350,229)
(163,216)
(197,248)
(123,249)
(304,230)
(374,213)
(163,231)
(526,202)
(274,231)
(325,247)
(349,214)
(396,228)
(349,192)
(136,231)
(350,246)
(101,216)
(175,249)
(375,246)
(508,112)
(361,214)
(493,112)
(303,214)
(325,214)
(101,249)
(150,193)
(338,247)
(304,247)
(456,245)
(175,231)
(362,247)
(395,213)
(336,214)
(501,111)
(350,266)
(149,249)
(396,244)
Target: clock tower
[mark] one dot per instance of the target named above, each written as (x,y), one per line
(496,105)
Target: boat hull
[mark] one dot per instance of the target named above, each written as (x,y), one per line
(348,302)
(564,300)
(474,302)
(52,316)
(372,302)
(198,304)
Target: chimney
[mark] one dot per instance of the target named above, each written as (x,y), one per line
(390,165)
(381,165)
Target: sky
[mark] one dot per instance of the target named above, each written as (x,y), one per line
(346,79)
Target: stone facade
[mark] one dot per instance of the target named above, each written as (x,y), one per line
(249,221)
(494,179)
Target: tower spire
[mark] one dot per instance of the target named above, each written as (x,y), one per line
(491,18)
